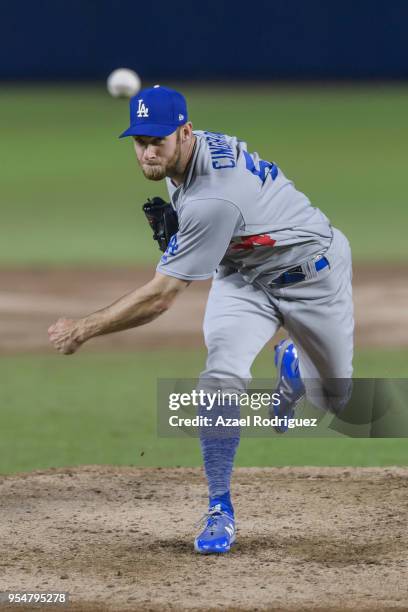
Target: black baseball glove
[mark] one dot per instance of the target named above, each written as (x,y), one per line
(162,219)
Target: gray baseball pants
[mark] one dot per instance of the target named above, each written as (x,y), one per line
(317,313)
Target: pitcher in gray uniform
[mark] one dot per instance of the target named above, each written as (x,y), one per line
(275,261)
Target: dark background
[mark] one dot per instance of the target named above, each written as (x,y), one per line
(170,39)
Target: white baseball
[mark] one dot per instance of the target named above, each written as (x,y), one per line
(123,83)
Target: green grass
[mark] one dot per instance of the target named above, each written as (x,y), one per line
(71,191)
(101,409)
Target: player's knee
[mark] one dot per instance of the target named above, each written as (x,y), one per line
(333,396)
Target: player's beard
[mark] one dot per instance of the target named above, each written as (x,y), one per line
(154,172)
(157,172)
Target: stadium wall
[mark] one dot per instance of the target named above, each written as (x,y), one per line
(284,39)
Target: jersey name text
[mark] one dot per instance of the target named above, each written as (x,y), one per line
(222,155)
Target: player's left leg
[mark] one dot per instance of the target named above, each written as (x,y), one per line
(239,321)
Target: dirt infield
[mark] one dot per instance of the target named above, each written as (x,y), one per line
(121,539)
(30,300)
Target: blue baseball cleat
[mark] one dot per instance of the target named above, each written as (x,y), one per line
(218,534)
(289,384)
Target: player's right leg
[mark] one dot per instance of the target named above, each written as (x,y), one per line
(318,315)
(239,321)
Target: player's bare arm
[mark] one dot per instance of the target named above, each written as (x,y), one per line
(158,156)
(136,308)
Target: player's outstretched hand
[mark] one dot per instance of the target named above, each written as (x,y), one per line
(64,336)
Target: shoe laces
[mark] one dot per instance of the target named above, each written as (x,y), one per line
(209,518)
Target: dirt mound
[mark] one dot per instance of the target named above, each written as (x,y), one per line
(30,300)
(121,539)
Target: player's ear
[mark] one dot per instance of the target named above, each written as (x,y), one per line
(186,131)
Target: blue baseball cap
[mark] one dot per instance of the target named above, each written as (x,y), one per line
(157,111)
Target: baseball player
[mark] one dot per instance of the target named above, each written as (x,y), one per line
(275,261)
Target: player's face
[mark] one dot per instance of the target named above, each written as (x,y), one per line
(158,157)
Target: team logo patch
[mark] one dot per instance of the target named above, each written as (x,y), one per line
(172,248)
(142,109)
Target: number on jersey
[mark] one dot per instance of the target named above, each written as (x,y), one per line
(265,168)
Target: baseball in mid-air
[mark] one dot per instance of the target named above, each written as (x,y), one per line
(123,83)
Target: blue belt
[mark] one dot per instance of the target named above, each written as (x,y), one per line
(295,275)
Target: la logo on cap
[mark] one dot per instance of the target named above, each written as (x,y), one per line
(142,109)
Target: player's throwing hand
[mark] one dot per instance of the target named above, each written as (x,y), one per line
(64,335)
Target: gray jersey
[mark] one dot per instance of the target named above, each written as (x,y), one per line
(239,211)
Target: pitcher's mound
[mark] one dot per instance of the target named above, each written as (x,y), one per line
(122,539)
